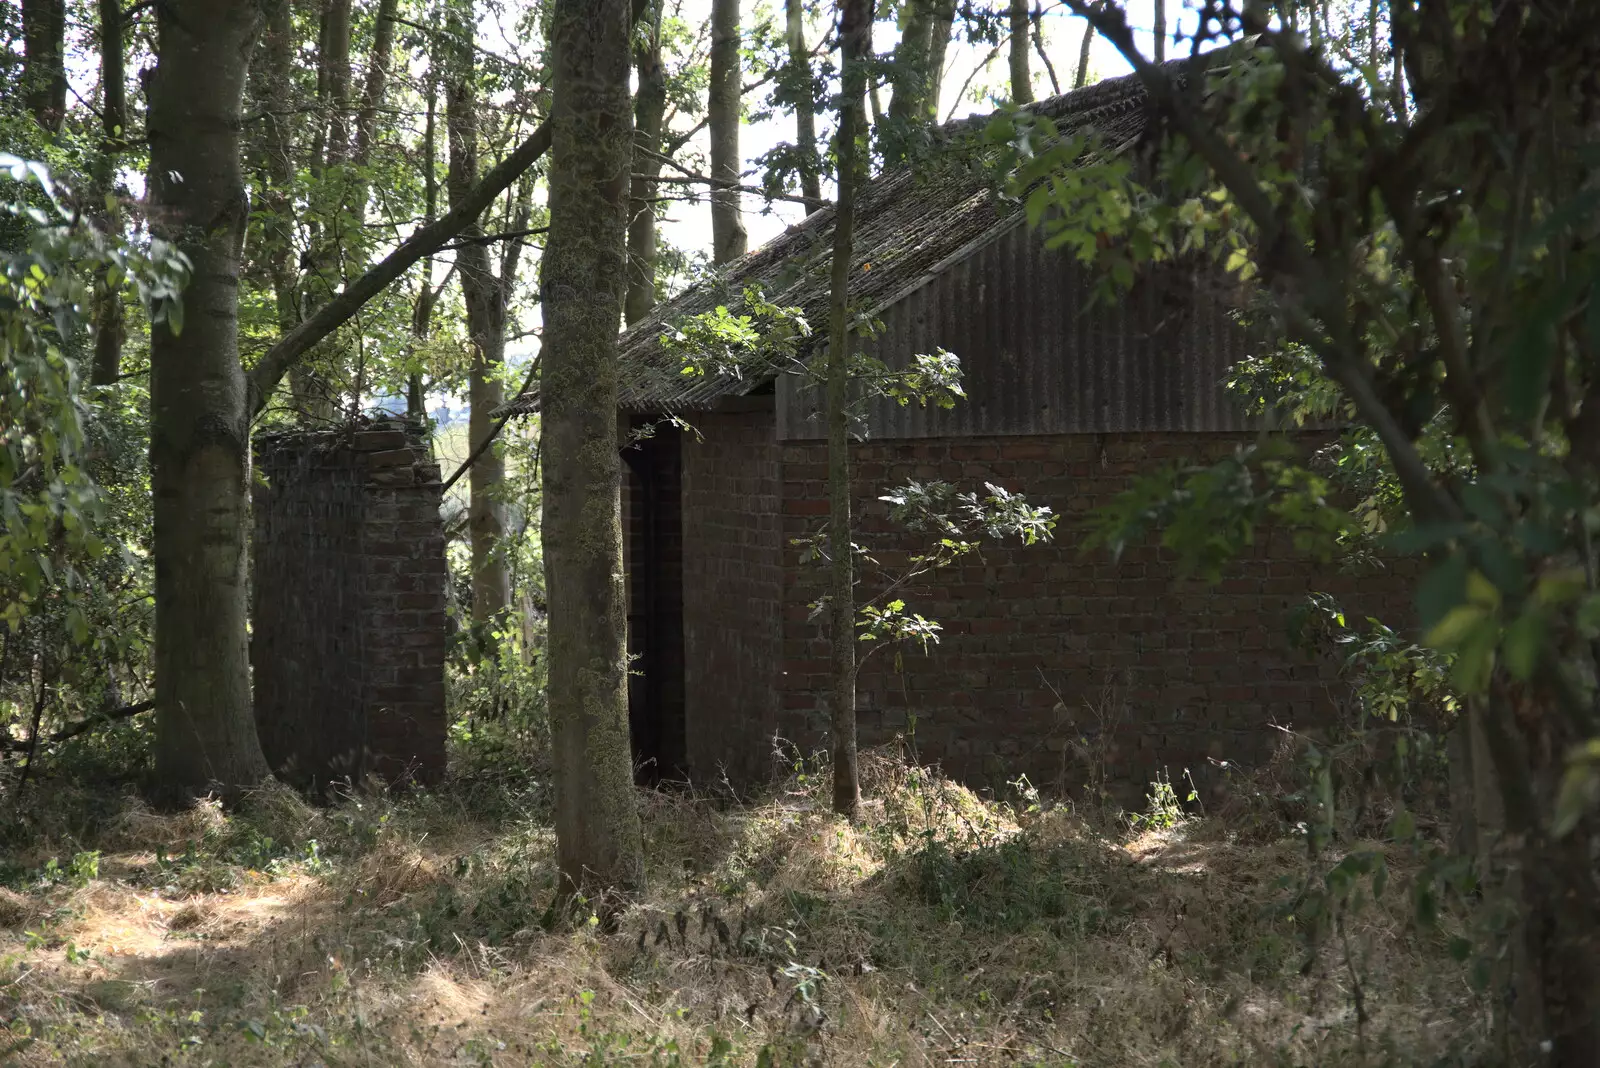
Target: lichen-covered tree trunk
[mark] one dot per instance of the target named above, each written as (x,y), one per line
(855,30)
(44,76)
(728,237)
(1021,75)
(598,840)
(805,114)
(199,425)
(486,332)
(649,111)
(108,327)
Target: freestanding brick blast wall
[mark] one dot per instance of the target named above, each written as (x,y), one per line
(348,641)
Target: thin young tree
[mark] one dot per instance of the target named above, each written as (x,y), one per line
(427,293)
(909,76)
(728,236)
(1081,79)
(315,394)
(108,327)
(199,416)
(44,73)
(805,113)
(649,116)
(485,294)
(855,38)
(598,837)
(1021,74)
(939,33)
(273,159)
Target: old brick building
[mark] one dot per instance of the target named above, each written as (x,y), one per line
(348,635)
(1066,402)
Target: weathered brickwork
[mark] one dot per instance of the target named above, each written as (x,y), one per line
(733,583)
(1045,645)
(348,627)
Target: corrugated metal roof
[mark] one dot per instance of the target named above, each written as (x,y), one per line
(912,224)
(1040,357)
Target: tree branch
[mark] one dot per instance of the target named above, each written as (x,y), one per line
(489,239)
(12,745)
(696,179)
(483,446)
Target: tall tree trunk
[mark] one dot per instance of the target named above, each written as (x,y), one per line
(805,114)
(944,17)
(270,91)
(333,83)
(359,185)
(44,72)
(315,396)
(909,101)
(199,425)
(1021,75)
(486,330)
(1159,30)
(728,238)
(855,35)
(108,331)
(599,846)
(1082,77)
(378,61)
(649,112)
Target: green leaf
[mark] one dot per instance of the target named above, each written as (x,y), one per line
(1404,826)
(1441,589)
(1523,643)
(1456,627)
(1580,791)
(1475,657)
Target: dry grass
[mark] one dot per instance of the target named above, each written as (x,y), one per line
(938,929)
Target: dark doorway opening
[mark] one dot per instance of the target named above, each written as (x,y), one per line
(653,558)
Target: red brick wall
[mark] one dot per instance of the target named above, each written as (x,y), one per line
(732,587)
(1035,637)
(348,637)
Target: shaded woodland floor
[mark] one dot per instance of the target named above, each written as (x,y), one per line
(941,929)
